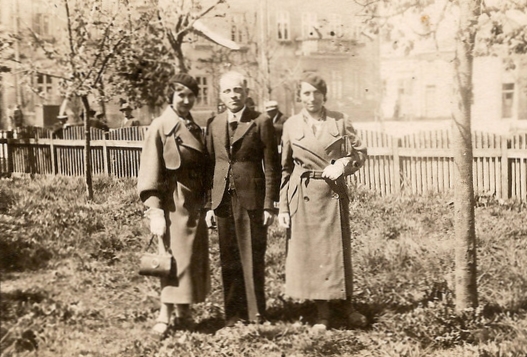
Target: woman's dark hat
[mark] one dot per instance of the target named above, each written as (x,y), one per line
(188,81)
(316,81)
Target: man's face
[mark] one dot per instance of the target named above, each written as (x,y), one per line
(312,99)
(272,112)
(183,100)
(127,113)
(232,93)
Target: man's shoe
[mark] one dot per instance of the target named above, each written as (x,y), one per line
(184,323)
(356,319)
(231,321)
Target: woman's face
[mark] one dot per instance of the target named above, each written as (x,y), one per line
(312,99)
(183,100)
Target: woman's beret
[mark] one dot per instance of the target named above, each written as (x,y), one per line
(188,81)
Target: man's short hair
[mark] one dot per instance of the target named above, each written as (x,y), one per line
(236,76)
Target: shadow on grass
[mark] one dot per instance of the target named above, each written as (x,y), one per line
(17,303)
(209,326)
(306,312)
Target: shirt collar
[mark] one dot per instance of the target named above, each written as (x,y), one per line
(310,119)
(239,114)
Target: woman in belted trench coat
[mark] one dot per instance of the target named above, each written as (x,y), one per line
(319,148)
(172,184)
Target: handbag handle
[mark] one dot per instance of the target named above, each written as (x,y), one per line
(152,236)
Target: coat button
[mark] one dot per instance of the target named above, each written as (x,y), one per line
(306,198)
(335,195)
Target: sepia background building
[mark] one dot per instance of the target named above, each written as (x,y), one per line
(377,84)
(279,41)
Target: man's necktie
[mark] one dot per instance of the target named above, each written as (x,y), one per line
(233,124)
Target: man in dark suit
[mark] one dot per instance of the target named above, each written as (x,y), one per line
(128,118)
(246,174)
(278,118)
(59,126)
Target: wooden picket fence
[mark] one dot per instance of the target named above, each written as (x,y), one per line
(115,153)
(424,162)
(415,163)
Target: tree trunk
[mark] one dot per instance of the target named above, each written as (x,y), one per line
(87,149)
(464,225)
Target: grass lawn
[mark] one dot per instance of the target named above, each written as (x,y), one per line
(69,282)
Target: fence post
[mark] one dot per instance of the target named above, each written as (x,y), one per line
(9,136)
(105,156)
(504,167)
(396,177)
(53,156)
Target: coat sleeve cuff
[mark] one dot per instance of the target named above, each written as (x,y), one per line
(152,201)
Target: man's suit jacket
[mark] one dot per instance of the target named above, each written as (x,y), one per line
(278,124)
(130,123)
(252,156)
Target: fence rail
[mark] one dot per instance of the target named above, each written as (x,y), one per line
(415,163)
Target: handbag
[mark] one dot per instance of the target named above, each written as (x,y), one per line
(156,264)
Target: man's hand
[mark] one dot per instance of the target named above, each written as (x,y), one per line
(210,219)
(334,171)
(284,220)
(268,218)
(158,223)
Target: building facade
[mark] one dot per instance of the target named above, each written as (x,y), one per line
(417,86)
(279,40)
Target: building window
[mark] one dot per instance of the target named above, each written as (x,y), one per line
(336,85)
(309,25)
(282,23)
(204,91)
(237,28)
(507,100)
(335,26)
(41,24)
(356,93)
(430,101)
(44,84)
(356,32)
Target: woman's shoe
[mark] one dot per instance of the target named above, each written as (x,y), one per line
(160,330)
(356,319)
(320,326)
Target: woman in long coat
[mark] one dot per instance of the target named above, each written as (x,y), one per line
(172,184)
(319,148)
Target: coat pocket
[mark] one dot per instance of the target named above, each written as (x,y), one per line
(293,194)
(171,154)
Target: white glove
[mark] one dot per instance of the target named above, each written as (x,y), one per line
(268,218)
(210,219)
(158,223)
(284,220)
(334,171)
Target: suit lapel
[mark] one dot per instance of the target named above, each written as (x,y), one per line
(220,131)
(243,126)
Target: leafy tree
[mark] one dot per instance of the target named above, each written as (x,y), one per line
(115,48)
(156,52)
(481,28)
(93,35)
